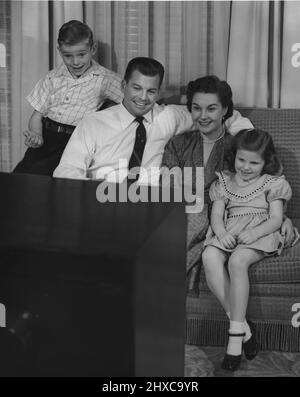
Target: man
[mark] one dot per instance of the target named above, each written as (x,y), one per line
(106,144)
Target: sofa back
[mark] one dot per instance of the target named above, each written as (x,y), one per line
(284,126)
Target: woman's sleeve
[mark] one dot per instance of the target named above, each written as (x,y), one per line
(170,157)
(280,189)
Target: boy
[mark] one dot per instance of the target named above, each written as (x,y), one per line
(60,100)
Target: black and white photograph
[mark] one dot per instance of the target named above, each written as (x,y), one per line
(150,191)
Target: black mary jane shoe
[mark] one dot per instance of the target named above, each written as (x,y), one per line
(231,362)
(251,347)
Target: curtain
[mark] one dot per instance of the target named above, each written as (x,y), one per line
(30,62)
(166,30)
(263,41)
(5,89)
(290,83)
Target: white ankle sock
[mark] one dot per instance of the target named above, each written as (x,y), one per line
(247,329)
(235,342)
(248,332)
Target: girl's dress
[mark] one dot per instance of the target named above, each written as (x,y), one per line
(248,207)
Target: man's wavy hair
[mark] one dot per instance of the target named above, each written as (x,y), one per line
(147,66)
(254,140)
(211,85)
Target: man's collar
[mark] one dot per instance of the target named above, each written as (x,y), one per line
(127,118)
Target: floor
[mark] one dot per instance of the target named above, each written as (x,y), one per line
(206,362)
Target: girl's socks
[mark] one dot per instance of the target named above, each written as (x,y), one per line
(235,342)
(247,329)
(248,332)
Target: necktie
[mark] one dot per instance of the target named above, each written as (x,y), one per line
(139,144)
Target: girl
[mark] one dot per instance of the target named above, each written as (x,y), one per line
(246,217)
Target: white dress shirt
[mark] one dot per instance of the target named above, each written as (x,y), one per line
(102,143)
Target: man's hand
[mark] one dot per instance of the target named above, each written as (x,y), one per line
(247,237)
(227,240)
(287,231)
(32,139)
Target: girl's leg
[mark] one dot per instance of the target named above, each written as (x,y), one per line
(217,279)
(238,265)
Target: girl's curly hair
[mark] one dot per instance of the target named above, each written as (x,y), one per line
(254,140)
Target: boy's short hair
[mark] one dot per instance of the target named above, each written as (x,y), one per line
(147,66)
(73,32)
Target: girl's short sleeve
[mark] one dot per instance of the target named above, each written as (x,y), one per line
(216,191)
(280,189)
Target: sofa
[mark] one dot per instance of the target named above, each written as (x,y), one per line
(274,282)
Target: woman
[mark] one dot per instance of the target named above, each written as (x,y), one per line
(210,102)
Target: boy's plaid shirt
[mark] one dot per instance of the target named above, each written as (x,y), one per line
(66,100)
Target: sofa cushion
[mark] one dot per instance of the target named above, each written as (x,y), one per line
(266,289)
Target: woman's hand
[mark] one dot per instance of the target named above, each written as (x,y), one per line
(247,237)
(287,231)
(227,240)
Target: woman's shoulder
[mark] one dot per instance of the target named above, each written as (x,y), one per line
(184,139)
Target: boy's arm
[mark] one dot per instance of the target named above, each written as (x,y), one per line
(76,157)
(237,122)
(38,98)
(34,134)
(112,87)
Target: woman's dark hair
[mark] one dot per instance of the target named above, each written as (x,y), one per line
(73,32)
(254,140)
(147,66)
(211,85)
